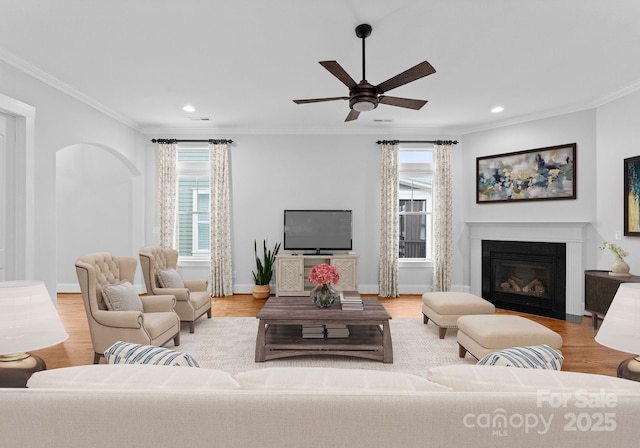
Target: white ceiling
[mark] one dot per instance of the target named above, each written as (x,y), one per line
(242,62)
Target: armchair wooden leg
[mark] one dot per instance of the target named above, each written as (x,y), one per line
(192,326)
(96,358)
(461,351)
(209,313)
(176,340)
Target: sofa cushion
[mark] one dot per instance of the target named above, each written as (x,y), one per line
(128,353)
(170,278)
(533,357)
(475,378)
(334,379)
(121,297)
(132,376)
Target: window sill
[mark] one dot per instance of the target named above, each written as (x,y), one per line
(190,262)
(411,264)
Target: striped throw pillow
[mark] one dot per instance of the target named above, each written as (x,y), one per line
(532,357)
(128,353)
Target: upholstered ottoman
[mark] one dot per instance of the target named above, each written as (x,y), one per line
(444,308)
(481,335)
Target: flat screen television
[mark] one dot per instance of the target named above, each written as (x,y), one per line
(317,230)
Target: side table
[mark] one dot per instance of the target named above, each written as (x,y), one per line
(599,289)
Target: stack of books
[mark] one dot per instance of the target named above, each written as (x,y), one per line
(337,331)
(351,301)
(313,331)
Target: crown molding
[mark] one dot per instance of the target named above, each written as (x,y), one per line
(52,81)
(529,118)
(620,93)
(613,96)
(388,131)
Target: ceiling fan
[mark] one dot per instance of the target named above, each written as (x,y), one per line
(364,96)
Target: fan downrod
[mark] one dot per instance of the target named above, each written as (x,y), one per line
(363,31)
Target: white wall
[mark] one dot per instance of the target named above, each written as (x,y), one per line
(274,172)
(95,191)
(578,127)
(271,173)
(62,121)
(618,138)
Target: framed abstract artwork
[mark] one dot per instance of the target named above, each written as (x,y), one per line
(531,175)
(632,196)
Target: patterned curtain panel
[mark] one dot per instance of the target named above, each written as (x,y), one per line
(389,223)
(167,194)
(442,219)
(221,263)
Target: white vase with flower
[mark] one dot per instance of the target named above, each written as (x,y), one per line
(324,276)
(620,267)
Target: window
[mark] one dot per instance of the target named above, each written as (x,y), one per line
(193,201)
(415,179)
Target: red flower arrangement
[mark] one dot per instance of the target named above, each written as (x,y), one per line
(323,273)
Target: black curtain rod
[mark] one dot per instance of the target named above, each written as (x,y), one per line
(435,142)
(173,140)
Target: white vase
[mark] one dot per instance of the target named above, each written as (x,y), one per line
(620,269)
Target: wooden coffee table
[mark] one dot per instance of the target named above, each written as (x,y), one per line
(280,330)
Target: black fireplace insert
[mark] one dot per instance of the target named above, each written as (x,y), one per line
(525,276)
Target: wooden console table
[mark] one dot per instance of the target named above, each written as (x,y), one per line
(292,272)
(280,330)
(599,289)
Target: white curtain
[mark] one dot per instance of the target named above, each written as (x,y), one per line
(220,225)
(442,219)
(389,222)
(167,194)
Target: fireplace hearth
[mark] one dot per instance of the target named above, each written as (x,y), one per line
(525,276)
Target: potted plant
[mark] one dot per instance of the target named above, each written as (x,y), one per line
(264,269)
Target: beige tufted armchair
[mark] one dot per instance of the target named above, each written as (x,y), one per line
(192,301)
(155,325)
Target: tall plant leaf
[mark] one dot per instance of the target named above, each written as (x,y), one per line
(264,267)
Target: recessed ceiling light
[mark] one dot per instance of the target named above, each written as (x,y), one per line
(497,109)
(189,108)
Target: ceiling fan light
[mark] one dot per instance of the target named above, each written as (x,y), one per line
(363,106)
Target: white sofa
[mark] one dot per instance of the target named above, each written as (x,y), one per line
(462,405)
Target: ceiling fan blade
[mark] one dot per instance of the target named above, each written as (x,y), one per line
(402,102)
(419,71)
(319,100)
(337,71)
(353,115)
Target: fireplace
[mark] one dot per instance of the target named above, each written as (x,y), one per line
(525,276)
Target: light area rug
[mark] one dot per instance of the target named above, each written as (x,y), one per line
(228,343)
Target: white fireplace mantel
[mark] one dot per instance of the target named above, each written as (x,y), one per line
(572,233)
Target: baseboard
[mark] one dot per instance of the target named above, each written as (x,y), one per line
(365,289)
(67,287)
(248,288)
(75,288)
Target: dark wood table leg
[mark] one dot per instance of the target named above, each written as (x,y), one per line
(261,340)
(387,347)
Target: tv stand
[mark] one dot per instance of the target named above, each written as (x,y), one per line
(292,272)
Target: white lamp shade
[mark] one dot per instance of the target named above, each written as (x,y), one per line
(28,319)
(620,329)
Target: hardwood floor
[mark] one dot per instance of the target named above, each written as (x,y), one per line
(582,353)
